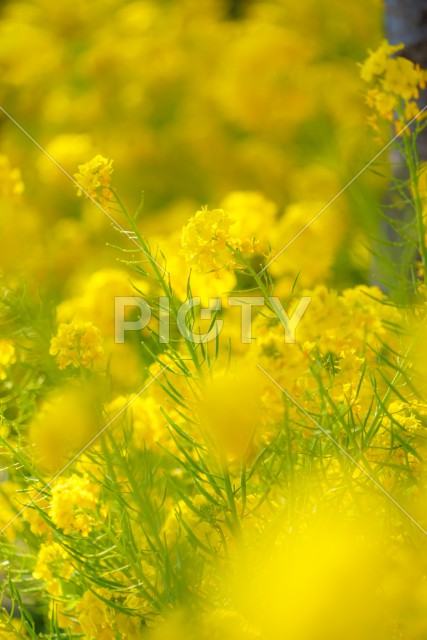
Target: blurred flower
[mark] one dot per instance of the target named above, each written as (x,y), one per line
(64,423)
(7,357)
(11,184)
(253,218)
(378,60)
(77,344)
(324,582)
(52,564)
(230,409)
(95,617)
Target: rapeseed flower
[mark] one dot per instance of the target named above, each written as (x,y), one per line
(204,240)
(94,179)
(74,504)
(77,344)
(396,82)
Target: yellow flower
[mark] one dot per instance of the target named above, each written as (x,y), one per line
(396,83)
(52,563)
(94,178)
(310,258)
(253,218)
(11,185)
(404,78)
(204,239)
(242,224)
(385,104)
(68,149)
(77,344)
(95,617)
(72,499)
(230,424)
(149,425)
(7,357)
(64,423)
(375,65)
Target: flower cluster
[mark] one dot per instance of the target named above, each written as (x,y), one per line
(77,344)
(52,561)
(94,179)
(204,239)
(396,85)
(210,238)
(74,504)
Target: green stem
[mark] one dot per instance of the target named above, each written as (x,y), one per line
(167,291)
(413,164)
(236,528)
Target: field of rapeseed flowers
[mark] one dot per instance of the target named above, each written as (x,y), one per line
(212,310)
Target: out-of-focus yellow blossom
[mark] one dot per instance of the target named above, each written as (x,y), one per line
(306,583)
(249,116)
(67,245)
(396,82)
(72,499)
(21,244)
(253,219)
(95,617)
(310,257)
(68,150)
(313,582)
(77,344)
(53,564)
(94,178)
(11,184)
(64,422)
(38,524)
(124,366)
(7,357)
(377,62)
(94,301)
(149,426)
(230,425)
